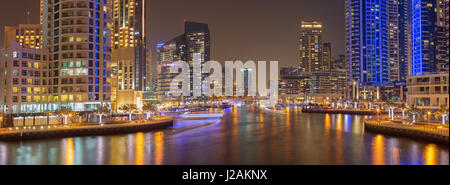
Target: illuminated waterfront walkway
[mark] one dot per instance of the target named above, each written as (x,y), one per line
(430,131)
(40,132)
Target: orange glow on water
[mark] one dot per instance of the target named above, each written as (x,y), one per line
(339,122)
(327,124)
(288,116)
(378,150)
(69,152)
(430,154)
(339,141)
(159,147)
(140,145)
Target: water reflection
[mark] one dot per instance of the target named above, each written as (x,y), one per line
(240,137)
(430,154)
(159,147)
(68,152)
(378,150)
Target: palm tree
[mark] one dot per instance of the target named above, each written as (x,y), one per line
(414,111)
(443,111)
(128,108)
(404,109)
(102,111)
(65,112)
(391,107)
(148,108)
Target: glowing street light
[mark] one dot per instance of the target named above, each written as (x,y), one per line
(378,114)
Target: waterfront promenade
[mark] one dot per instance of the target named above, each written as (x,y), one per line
(427,131)
(72,130)
(343,111)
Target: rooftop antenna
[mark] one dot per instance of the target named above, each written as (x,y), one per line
(28,16)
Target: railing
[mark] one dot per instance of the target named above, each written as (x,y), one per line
(432,129)
(428,92)
(427,83)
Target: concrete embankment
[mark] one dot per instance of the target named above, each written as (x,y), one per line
(429,133)
(343,111)
(107,129)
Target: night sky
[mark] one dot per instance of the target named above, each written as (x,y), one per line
(240,29)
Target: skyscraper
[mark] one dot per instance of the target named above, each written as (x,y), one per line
(78,35)
(367,41)
(168,53)
(441,28)
(129,50)
(404,38)
(311,46)
(393,40)
(196,39)
(423,36)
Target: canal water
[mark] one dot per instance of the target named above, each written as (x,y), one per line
(242,136)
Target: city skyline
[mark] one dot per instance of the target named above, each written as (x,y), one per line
(231,37)
(84,85)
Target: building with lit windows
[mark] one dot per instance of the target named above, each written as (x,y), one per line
(423,36)
(428,82)
(292,85)
(326,57)
(393,40)
(168,53)
(442,47)
(27,35)
(311,46)
(404,38)
(128,52)
(367,41)
(328,85)
(24,80)
(428,91)
(196,39)
(78,37)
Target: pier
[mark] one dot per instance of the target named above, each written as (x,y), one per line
(431,132)
(42,132)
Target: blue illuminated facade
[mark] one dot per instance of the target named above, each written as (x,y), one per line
(367,41)
(423,36)
(404,36)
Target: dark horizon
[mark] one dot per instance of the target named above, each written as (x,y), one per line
(240,30)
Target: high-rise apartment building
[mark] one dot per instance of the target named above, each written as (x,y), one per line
(168,53)
(393,40)
(78,36)
(24,80)
(311,46)
(326,57)
(27,35)
(404,38)
(423,36)
(195,40)
(441,41)
(367,41)
(129,51)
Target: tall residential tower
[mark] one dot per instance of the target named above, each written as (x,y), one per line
(367,41)
(311,47)
(129,52)
(78,36)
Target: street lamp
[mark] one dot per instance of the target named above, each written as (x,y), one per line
(378,114)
